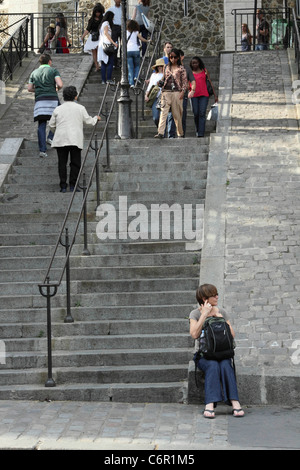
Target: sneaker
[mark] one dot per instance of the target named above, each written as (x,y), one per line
(158,136)
(103,83)
(43,154)
(72,189)
(63,190)
(49,141)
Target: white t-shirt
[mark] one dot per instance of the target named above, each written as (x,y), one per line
(132,41)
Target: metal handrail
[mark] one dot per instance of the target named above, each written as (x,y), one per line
(49,289)
(45,283)
(16,44)
(279,13)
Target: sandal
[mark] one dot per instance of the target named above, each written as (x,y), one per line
(211,413)
(235,410)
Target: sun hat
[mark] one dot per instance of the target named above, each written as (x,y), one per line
(158,63)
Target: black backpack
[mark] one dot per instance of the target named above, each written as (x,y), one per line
(216,341)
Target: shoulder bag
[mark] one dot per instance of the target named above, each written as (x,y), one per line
(209,85)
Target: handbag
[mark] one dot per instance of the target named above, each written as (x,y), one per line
(53,43)
(213,113)
(209,85)
(94,35)
(149,25)
(109,49)
(152,96)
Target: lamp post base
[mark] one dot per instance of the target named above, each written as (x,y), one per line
(125,130)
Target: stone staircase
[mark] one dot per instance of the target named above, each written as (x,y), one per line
(130,299)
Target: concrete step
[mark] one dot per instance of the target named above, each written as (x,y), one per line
(97,357)
(100,374)
(166,392)
(90,342)
(90,273)
(29,284)
(121,327)
(119,299)
(154,261)
(103,313)
(162,167)
(137,177)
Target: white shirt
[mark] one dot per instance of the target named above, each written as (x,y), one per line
(154,79)
(132,41)
(101,56)
(118,14)
(67,120)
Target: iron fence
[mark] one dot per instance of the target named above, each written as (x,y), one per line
(280,27)
(15,48)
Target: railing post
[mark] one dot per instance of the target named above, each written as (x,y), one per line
(69,318)
(97,173)
(107,167)
(125,124)
(50,381)
(85,248)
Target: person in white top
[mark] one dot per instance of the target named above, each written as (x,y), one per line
(67,121)
(133,50)
(158,68)
(107,61)
(117,23)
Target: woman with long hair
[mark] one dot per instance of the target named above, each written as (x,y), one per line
(92,29)
(61,35)
(107,61)
(200,95)
(173,88)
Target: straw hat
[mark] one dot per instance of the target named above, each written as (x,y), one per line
(52,25)
(158,63)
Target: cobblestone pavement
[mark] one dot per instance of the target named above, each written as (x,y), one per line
(262,255)
(146,426)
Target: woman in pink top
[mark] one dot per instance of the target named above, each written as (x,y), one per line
(199,96)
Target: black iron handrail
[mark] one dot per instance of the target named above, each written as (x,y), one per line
(14,49)
(281,17)
(49,288)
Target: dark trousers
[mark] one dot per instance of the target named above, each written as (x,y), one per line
(199,105)
(116,35)
(75,163)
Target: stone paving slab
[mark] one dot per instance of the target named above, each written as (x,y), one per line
(144,426)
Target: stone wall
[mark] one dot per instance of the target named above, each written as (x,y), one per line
(201,32)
